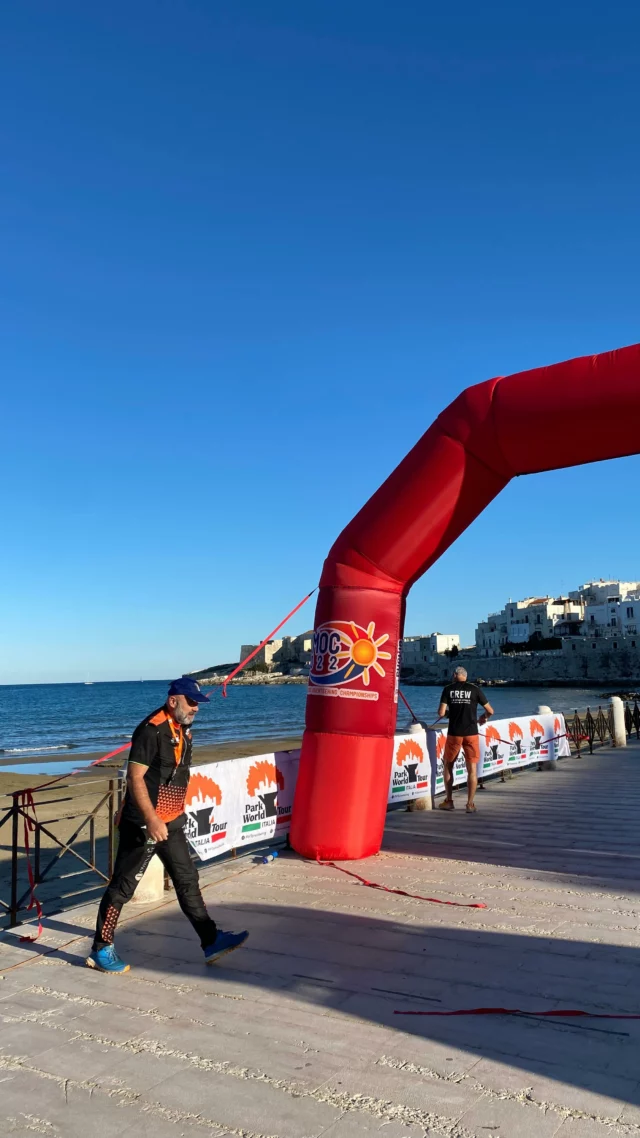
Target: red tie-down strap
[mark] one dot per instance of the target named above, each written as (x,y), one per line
(243,663)
(26,805)
(565,1012)
(408,706)
(402,892)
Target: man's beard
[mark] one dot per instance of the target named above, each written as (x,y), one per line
(184,718)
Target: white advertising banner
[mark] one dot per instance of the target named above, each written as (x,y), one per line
(234,803)
(243,801)
(505,744)
(410,769)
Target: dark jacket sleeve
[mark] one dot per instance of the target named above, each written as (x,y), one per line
(144,745)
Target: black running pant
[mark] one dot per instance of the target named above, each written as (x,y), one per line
(132,857)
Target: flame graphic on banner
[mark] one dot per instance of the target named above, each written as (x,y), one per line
(535,727)
(514,730)
(492,736)
(440,746)
(409,749)
(557,726)
(203,791)
(263,774)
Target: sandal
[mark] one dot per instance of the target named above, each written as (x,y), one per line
(470,809)
(446,805)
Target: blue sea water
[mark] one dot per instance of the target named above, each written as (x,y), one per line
(47,719)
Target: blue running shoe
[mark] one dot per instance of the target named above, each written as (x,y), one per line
(107,960)
(224,942)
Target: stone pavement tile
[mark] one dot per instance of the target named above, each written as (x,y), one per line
(360,1125)
(440,1058)
(27,1002)
(137,1071)
(585,1128)
(112,1023)
(11,955)
(304,1067)
(504,1119)
(79,1059)
(589,934)
(30,1105)
(523,1041)
(30,1040)
(149,1125)
(631,1112)
(300,993)
(296,1027)
(245,1104)
(12,982)
(407,1089)
(212,1008)
(570,1090)
(357,954)
(586,1048)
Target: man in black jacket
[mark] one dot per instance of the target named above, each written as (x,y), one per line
(152,821)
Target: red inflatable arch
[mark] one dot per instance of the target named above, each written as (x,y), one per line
(484,438)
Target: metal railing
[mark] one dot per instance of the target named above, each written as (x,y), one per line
(589,729)
(35,837)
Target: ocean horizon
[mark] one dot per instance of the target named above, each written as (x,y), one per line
(47,719)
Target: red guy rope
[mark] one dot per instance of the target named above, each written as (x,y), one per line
(243,663)
(408,706)
(402,892)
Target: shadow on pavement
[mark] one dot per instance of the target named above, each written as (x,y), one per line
(369,968)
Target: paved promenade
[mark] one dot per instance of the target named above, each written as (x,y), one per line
(296,1036)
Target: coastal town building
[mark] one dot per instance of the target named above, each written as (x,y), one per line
(420,650)
(599,592)
(521,622)
(287,654)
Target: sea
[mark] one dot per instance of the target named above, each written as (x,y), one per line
(38,720)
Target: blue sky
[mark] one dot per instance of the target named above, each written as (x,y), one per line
(249,251)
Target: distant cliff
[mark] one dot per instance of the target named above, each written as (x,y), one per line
(249,679)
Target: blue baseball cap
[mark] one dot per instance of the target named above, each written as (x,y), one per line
(186,685)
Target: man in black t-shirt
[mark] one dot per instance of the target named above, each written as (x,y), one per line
(461,699)
(151,822)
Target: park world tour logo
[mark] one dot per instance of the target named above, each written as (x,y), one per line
(492,742)
(459,767)
(408,770)
(516,735)
(261,811)
(539,747)
(345,653)
(203,795)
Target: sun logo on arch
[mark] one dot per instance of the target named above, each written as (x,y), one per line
(344,651)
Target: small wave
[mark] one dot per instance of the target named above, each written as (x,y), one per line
(37,750)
